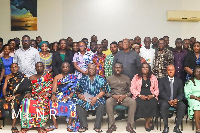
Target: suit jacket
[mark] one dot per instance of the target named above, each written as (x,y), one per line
(57,62)
(165,90)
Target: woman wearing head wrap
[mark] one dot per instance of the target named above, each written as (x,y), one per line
(45,56)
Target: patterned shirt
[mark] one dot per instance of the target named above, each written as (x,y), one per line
(82,62)
(161,61)
(47,61)
(26,60)
(99,62)
(108,65)
(93,87)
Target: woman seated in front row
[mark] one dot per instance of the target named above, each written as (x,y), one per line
(192,93)
(144,87)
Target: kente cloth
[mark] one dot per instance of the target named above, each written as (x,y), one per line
(17,84)
(35,111)
(65,87)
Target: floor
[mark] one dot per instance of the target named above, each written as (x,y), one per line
(121,125)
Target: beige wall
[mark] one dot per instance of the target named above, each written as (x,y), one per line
(110,19)
(118,19)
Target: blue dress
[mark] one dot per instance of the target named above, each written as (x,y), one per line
(7,63)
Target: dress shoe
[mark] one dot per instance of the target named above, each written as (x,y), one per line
(177,130)
(148,129)
(170,114)
(166,130)
(120,117)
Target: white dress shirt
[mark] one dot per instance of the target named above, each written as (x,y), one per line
(26,60)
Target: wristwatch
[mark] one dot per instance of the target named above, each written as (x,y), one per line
(97,97)
(139,96)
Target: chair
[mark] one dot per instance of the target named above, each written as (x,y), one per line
(192,122)
(171,110)
(118,108)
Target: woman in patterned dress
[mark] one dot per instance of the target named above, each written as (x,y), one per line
(45,57)
(81,60)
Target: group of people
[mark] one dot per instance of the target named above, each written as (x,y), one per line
(42,81)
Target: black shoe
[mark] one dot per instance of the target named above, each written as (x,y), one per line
(152,127)
(177,130)
(148,129)
(170,114)
(120,117)
(166,130)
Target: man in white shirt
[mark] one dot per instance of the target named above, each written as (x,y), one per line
(147,52)
(26,57)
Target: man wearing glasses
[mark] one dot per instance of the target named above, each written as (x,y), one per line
(163,58)
(26,57)
(129,59)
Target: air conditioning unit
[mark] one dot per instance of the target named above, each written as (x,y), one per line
(183,15)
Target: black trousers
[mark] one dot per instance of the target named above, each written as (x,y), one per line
(164,107)
(83,118)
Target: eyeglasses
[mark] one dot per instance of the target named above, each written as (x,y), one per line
(160,43)
(81,46)
(25,40)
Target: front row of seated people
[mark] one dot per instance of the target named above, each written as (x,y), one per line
(69,97)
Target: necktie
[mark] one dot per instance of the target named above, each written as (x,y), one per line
(171,86)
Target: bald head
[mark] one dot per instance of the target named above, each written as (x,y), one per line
(65,67)
(65,63)
(171,71)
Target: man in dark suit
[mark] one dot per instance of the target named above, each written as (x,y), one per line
(171,94)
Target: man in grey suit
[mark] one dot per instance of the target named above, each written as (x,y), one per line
(171,94)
